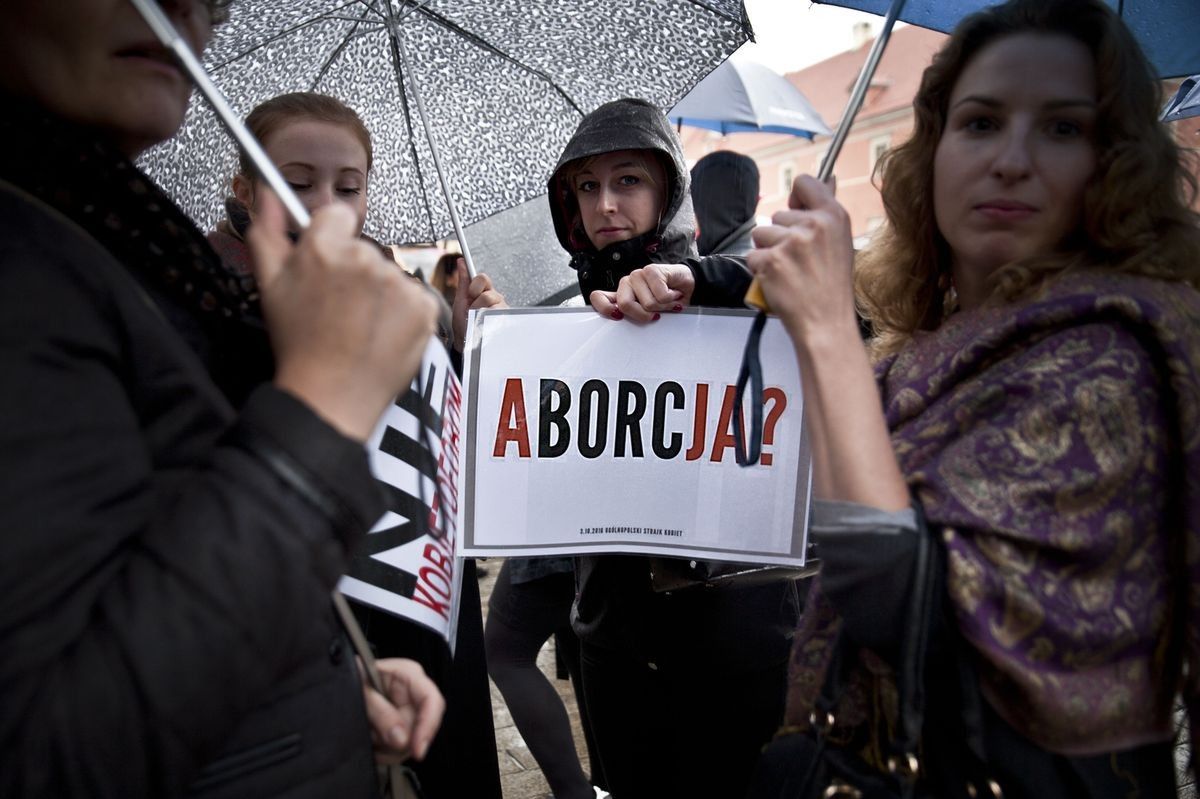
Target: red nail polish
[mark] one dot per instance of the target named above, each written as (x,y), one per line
(655,317)
(677,308)
(618,315)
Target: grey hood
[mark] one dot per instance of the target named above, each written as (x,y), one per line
(627,124)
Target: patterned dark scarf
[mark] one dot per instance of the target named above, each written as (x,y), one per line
(1055,446)
(98,188)
(102,191)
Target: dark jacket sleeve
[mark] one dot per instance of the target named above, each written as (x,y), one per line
(163,563)
(721,281)
(867,558)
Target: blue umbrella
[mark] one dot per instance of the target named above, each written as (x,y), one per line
(1168,30)
(1185,103)
(741,96)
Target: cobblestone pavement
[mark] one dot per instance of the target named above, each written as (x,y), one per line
(520,777)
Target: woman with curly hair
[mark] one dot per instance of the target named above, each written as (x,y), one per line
(1034,406)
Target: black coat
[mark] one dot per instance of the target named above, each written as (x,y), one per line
(166,563)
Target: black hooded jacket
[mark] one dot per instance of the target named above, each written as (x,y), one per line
(632,124)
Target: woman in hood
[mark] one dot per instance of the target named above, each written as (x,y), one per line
(595,226)
(682,688)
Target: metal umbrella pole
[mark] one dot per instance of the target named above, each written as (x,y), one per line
(400,56)
(153,14)
(754,295)
(860,91)
(750,374)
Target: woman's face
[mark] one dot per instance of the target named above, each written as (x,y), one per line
(96,63)
(323,162)
(620,196)
(1017,151)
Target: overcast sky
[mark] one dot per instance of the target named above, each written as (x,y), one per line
(792,34)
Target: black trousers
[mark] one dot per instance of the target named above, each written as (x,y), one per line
(521,617)
(690,730)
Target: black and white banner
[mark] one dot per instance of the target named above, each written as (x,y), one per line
(414,454)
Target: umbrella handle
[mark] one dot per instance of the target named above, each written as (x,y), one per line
(754,295)
(170,38)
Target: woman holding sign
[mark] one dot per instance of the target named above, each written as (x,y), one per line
(167,557)
(682,687)
(1038,356)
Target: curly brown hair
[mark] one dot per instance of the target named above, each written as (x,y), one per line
(1136,209)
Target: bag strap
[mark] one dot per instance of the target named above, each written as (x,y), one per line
(397,781)
(924,605)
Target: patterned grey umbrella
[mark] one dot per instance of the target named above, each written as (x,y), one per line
(503,84)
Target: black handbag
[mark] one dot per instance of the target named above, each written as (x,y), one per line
(807,764)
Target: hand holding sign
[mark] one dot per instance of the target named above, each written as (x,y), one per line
(644,293)
(471,294)
(348,328)
(805,259)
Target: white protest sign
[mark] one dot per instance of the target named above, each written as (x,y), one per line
(585,435)
(414,454)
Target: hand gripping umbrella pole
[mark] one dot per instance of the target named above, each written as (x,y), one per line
(754,295)
(751,370)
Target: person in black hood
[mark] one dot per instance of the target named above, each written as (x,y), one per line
(725,195)
(324,151)
(682,688)
(597,233)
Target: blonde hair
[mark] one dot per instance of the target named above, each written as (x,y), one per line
(1136,217)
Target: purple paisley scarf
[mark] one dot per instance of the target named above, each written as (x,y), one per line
(1055,444)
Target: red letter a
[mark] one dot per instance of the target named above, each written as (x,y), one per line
(723,439)
(512,425)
